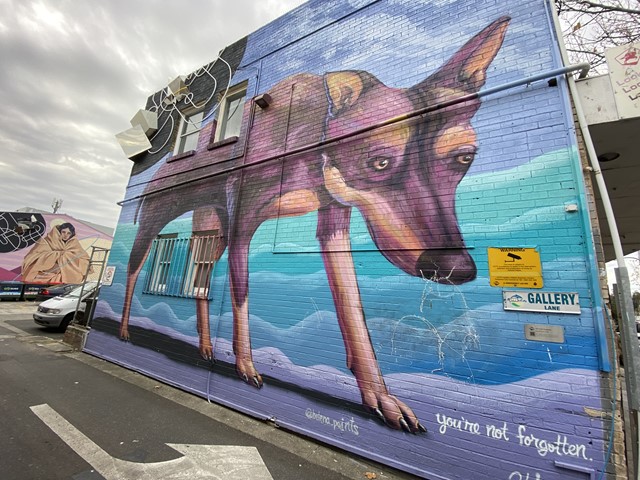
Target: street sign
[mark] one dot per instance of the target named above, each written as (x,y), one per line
(515,267)
(107,277)
(544,302)
(624,72)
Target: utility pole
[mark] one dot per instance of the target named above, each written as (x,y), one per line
(56,204)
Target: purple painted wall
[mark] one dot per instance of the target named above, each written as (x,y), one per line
(379,257)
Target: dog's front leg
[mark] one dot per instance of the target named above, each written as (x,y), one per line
(333,234)
(239,285)
(204,331)
(208,251)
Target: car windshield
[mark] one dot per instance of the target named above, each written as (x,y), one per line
(88,288)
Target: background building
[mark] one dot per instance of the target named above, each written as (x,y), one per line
(33,250)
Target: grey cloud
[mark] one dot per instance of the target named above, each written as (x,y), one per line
(75,72)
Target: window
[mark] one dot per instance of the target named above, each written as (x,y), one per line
(182,267)
(230,116)
(202,258)
(161,256)
(190,126)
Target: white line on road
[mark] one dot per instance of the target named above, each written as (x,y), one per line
(199,461)
(10,327)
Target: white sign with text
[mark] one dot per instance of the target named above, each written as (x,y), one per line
(537,301)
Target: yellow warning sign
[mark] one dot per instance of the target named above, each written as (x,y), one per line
(515,267)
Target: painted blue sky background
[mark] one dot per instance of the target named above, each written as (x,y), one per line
(308,41)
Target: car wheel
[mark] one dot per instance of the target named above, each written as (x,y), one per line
(65,322)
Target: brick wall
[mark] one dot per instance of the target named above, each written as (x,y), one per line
(358,211)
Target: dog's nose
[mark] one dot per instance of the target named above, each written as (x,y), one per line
(453,266)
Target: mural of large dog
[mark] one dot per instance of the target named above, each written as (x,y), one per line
(399,170)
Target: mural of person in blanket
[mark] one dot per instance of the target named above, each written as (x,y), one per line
(56,258)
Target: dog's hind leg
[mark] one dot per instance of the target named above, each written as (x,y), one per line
(239,285)
(139,253)
(208,226)
(333,234)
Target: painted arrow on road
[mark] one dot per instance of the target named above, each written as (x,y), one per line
(199,461)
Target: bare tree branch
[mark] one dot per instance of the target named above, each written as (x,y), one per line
(590,27)
(609,8)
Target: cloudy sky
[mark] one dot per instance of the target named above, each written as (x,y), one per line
(74,72)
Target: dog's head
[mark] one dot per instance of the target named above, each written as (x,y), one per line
(402,177)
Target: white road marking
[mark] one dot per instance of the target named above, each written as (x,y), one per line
(10,327)
(199,461)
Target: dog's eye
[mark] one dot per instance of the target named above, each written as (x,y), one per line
(465,158)
(379,163)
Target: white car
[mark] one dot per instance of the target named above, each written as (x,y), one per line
(58,311)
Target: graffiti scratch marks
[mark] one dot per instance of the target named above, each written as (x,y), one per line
(452,340)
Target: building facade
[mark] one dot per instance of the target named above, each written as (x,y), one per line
(362,222)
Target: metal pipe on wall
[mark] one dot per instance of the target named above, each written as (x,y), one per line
(631,346)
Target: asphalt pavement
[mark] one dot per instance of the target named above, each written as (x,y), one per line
(67,415)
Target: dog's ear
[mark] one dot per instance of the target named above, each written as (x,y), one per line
(343,89)
(466,69)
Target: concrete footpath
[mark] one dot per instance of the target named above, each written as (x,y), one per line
(68,415)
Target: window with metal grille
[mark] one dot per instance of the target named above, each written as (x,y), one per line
(161,256)
(182,267)
(200,265)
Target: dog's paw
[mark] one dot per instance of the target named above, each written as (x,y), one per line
(395,413)
(124,334)
(206,351)
(247,372)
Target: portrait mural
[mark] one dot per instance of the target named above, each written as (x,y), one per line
(46,248)
(327,265)
(56,258)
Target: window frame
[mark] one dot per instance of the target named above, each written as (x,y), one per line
(182,266)
(183,133)
(235,92)
(201,263)
(163,248)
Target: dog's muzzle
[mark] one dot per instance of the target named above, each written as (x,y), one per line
(450,266)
